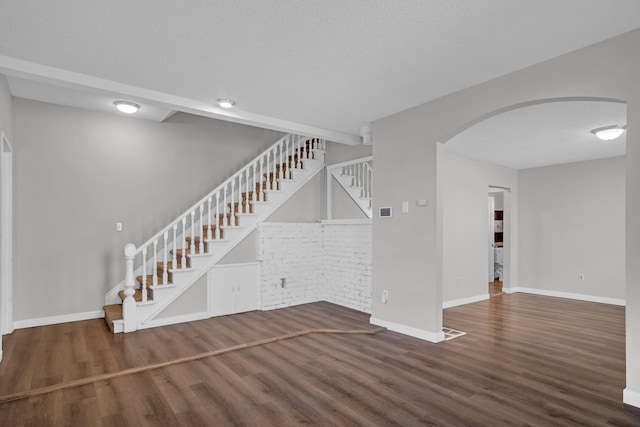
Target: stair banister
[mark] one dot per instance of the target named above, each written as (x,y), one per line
(358,174)
(143,249)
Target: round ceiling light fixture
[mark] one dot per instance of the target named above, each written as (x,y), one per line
(126,107)
(226,102)
(607,133)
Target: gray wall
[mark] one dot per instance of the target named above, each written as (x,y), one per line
(405,152)
(6,126)
(572,222)
(6,109)
(78,172)
(465,185)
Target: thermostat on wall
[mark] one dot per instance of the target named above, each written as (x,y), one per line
(385,212)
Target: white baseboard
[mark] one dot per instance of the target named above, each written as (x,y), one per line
(631,397)
(463,301)
(53,320)
(581,297)
(408,330)
(191,317)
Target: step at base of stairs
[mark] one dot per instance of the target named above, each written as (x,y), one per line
(112,313)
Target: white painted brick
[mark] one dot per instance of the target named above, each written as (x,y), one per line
(329,262)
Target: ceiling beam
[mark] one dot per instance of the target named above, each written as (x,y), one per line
(72,80)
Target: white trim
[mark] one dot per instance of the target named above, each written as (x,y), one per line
(42,73)
(350,162)
(237,264)
(463,301)
(0,355)
(183,318)
(53,320)
(6,236)
(408,330)
(363,221)
(581,297)
(631,397)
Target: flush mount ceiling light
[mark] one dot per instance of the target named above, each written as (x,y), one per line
(607,133)
(126,107)
(226,102)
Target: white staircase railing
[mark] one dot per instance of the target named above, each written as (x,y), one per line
(356,177)
(187,234)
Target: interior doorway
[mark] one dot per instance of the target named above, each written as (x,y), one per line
(496,240)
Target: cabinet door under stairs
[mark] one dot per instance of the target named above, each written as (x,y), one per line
(233,288)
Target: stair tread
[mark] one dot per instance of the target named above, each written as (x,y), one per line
(170,265)
(137,295)
(187,251)
(150,279)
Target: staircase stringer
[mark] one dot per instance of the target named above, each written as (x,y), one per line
(156,309)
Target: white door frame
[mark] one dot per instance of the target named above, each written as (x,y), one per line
(491,267)
(6,236)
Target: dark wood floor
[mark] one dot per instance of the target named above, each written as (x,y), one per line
(525,360)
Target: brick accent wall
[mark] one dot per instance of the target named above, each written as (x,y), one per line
(292,251)
(320,262)
(347,265)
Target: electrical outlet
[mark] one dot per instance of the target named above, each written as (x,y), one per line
(385,296)
(283,282)
(118,226)
(580,276)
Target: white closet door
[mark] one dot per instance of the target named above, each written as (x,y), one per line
(247,287)
(222,297)
(233,288)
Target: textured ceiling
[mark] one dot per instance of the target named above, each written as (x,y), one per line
(543,134)
(330,64)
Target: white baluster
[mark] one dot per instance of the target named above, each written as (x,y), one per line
(144,274)
(192,246)
(201,231)
(209,220)
(270,186)
(280,171)
(255,182)
(224,206)
(165,276)
(246,192)
(174,259)
(233,206)
(217,215)
(155,262)
(286,157)
(262,177)
(298,156)
(183,259)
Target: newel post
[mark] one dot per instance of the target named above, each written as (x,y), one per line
(129,304)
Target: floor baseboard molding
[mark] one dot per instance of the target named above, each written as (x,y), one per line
(581,297)
(165,321)
(463,301)
(434,337)
(54,320)
(631,397)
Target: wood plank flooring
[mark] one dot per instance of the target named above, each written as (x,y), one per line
(525,360)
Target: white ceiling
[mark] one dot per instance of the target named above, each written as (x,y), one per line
(543,134)
(321,66)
